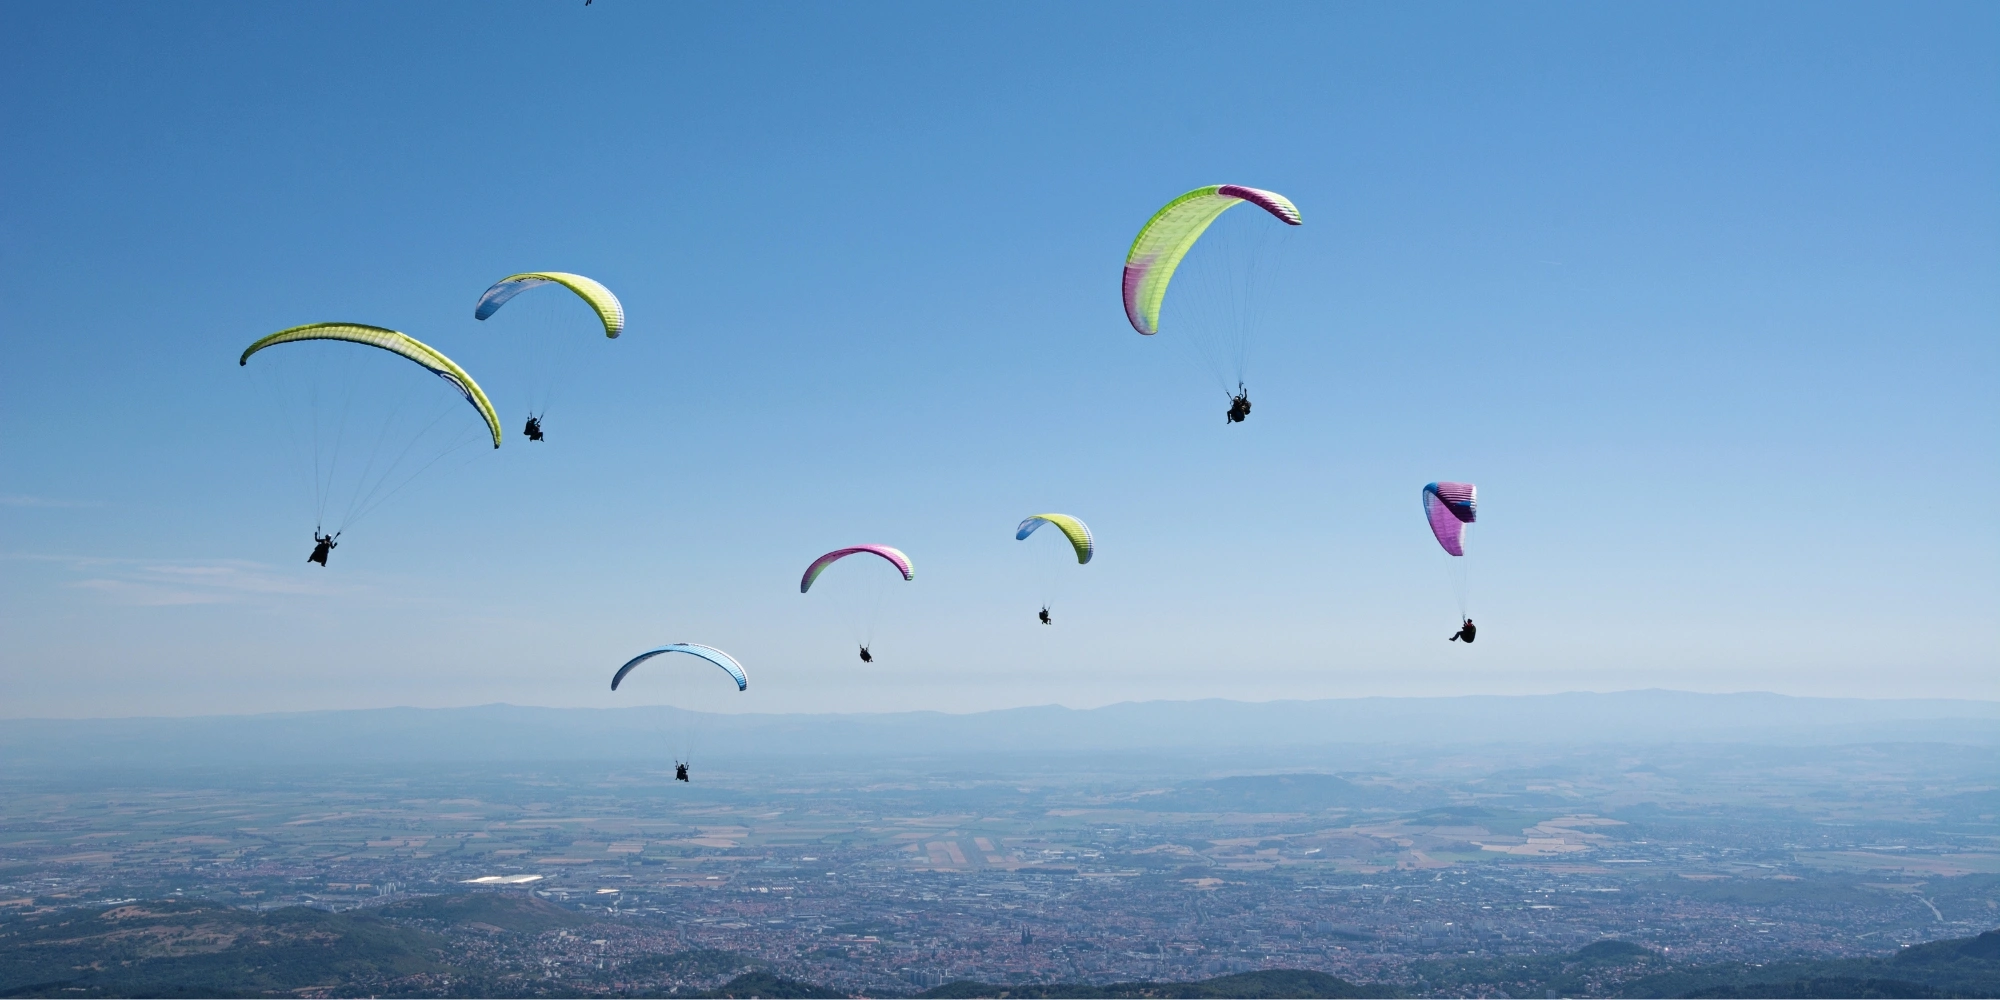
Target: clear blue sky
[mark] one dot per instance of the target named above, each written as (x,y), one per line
(1705,297)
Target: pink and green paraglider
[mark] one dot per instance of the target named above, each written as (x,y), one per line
(895,556)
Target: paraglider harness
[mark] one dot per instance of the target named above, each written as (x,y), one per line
(1465,633)
(1239,404)
(326,544)
(865,658)
(534,428)
(680,771)
(1044,615)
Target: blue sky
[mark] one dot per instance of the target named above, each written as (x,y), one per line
(1703,296)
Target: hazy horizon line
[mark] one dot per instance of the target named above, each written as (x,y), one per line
(1010,708)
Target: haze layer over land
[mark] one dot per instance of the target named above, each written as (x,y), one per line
(1477,850)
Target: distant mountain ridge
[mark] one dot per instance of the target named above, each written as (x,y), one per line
(499,733)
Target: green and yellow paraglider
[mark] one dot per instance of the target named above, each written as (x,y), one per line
(409,424)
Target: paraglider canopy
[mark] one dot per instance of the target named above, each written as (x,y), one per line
(399,344)
(600,299)
(709,653)
(1076,531)
(1172,231)
(1450,507)
(895,557)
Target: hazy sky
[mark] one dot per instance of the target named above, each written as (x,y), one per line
(1705,297)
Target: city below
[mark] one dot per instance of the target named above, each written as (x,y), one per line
(1401,870)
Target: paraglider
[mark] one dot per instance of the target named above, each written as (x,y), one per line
(692,692)
(710,653)
(1450,507)
(400,344)
(895,557)
(550,339)
(1080,542)
(609,310)
(1076,531)
(1221,308)
(861,598)
(324,380)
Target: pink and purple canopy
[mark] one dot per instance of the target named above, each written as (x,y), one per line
(895,556)
(1450,507)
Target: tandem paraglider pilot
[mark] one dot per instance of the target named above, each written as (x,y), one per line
(1239,404)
